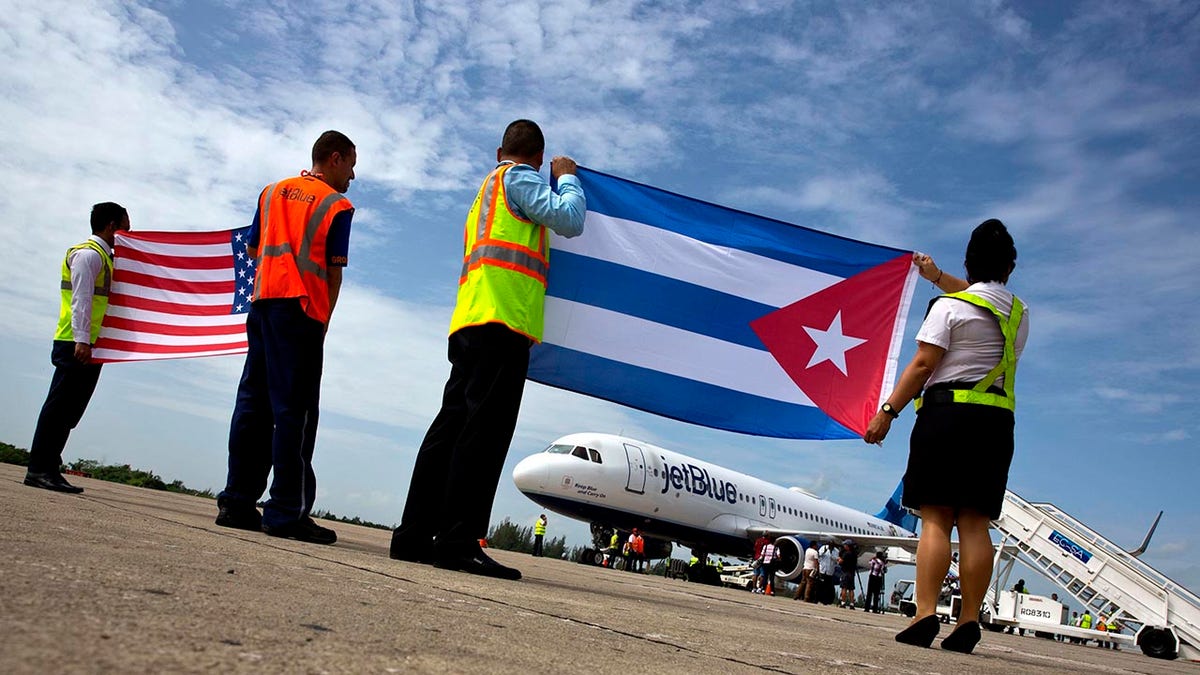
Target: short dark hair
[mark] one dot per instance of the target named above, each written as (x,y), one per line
(523,138)
(330,142)
(105,214)
(991,253)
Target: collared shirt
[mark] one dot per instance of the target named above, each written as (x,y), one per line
(85,265)
(827,560)
(878,567)
(810,559)
(530,196)
(970,335)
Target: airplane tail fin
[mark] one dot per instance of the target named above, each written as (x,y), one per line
(896,514)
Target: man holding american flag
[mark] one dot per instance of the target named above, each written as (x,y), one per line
(299,239)
(87,272)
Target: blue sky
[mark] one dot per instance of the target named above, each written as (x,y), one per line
(904,124)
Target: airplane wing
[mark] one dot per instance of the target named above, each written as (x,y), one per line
(869,540)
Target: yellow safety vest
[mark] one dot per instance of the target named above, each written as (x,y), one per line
(505,262)
(99,294)
(1085,621)
(539,527)
(979,394)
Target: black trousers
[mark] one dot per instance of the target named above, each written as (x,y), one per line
(275,415)
(71,389)
(875,593)
(458,467)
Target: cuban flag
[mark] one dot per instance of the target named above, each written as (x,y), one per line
(722,318)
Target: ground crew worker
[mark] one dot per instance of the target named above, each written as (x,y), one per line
(539,533)
(497,318)
(611,551)
(86,276)
(299,239)
(637,551)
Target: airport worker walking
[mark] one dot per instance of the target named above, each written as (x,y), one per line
(299,239)
(497,318)
(756,562)
(808,578)
(963,374)
(875,577)
(827,566)
(539,533)
(86,277)
(770,561)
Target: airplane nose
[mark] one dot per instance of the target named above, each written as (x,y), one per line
(530,474)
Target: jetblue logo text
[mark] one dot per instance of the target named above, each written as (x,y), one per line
(695,480)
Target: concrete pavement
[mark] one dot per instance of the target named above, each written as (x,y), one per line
(132,580)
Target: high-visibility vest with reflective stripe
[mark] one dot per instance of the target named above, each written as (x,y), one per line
(294,219)
(539,527)
(505,262)
(99,294)
(1085,621)
(979,394)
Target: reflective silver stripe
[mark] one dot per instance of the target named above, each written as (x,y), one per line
(485,205)
(263,218)
(481,254)
(303,261)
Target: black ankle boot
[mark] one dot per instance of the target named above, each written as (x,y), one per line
(921,633)
(963,639)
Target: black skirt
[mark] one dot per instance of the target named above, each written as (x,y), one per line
(959,455)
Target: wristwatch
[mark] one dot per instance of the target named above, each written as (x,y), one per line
(887,408)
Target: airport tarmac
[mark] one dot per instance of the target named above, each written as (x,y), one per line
(123,579)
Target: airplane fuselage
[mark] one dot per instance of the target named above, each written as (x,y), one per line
(624,483)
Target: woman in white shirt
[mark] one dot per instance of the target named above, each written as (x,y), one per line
(962,442)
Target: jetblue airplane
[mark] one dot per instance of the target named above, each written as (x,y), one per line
(617,482)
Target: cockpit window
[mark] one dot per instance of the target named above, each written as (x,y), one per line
(560,449)
(594,455)
(580,452)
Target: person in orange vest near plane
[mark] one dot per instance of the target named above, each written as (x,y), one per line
(637,551)
(86,276)
(497,318)
(299,239)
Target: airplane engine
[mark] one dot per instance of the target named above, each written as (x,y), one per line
(791,557)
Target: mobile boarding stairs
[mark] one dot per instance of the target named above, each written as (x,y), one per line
(1100,575)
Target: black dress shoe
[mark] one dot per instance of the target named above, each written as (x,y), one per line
(304,530)
(963,639)
(50,481)
(238,516)
(921,633)
(477,562)
(409,551)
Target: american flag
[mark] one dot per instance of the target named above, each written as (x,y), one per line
(177,295)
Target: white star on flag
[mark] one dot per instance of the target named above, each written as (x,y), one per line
(832,344)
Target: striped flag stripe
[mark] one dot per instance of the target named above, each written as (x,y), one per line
(610,335)
(197,287)
(178,262)
(224,299)
(152,328)
(171,241)
(139,351)
(155,340)
(179,308)
(180,273)
(232,322)
(720,267)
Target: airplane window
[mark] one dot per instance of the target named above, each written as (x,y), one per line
(594,455)
(580,452)
(560,449)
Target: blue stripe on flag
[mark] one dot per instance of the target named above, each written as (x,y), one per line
(641,294)
(723,226)
(683,399)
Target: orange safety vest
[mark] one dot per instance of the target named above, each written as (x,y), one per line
(639,545)
(294,219)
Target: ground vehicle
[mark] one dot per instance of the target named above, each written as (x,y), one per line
(903,600)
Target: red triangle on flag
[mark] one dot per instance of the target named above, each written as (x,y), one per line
(846,326)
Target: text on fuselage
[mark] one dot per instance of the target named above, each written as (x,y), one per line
(697,481)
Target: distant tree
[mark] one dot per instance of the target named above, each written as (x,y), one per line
(11,454)
(325,515)
(508,536)
(554,548)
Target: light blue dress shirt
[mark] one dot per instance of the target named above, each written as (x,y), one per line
(530,197)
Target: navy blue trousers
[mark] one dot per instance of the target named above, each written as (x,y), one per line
(71,389)
(458,467)
(274,423)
